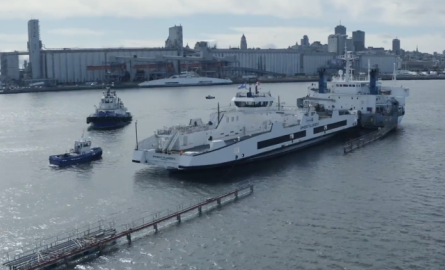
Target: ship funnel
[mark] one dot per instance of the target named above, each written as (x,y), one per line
(322,84)
(373,81)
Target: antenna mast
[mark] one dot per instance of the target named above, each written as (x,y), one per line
(136,128)
(218,116)
(394,74)
(369,69)
(348,70)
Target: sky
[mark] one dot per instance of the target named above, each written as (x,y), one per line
(265,23)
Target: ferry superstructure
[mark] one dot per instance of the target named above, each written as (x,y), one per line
(186,78)
(255,129)
(377,103)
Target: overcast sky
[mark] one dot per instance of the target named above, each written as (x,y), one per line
(266,23)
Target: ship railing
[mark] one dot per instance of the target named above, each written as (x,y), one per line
(183,129)
(147,144)
(164,131)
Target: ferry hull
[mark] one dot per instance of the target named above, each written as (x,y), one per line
(375,121)
(184,84)
(260,157)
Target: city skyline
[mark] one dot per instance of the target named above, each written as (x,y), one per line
(266,24)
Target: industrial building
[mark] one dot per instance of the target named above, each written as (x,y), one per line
(384,62)
(280,61)
(79,66)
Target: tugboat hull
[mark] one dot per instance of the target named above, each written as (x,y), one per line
(71,159)
(106,122)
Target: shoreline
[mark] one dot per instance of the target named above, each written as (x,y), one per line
(235,81)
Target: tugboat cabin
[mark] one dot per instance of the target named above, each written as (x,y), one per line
(82,146)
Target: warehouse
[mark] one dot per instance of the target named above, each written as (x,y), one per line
(86,65)
(312,61)
(385,63)
(10,66)
(282,61)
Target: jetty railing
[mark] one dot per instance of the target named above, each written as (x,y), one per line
(81,243)
(361,141)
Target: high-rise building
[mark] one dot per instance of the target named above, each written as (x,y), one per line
(350,45)
(340,30)
(305,41)
(243,44)
(332,44)
(174,39)
(358,38)
(336,43)
(396,46)
(34,49)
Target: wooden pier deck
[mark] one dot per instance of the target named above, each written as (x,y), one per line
(81,244)
(367,139)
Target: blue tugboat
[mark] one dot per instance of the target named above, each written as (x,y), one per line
(82,153)
(111,112)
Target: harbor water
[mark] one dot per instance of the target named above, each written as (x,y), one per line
(379,207)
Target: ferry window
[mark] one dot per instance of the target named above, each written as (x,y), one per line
(227,119)
(250,104)
(233,118)
(236,118)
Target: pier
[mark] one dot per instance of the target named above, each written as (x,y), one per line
(367,139)
(90,242)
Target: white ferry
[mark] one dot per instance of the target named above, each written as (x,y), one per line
(255,129)
(186,78)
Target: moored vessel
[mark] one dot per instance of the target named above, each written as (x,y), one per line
(186,78)
(111,112)
(379,105)
(256,128)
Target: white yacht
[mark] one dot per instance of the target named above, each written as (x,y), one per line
(377,104)
(255,129)
(186,78)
